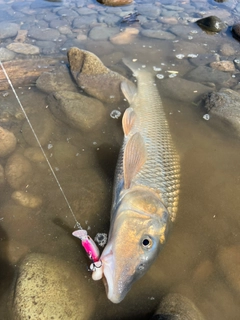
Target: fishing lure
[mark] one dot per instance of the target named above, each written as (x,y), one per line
(92,251)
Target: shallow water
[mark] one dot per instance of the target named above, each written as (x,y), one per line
(209,203)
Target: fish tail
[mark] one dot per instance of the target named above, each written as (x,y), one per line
(133,66)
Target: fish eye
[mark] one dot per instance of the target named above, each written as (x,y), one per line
(147,242)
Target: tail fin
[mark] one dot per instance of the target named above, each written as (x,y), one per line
(135,67)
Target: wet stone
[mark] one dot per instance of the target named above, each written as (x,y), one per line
(115,3)
(236,31)
(34,154)
(90,74)
(26,199)
(182,89)
(43,34)
(47,287)
(207,74)
(227,50)
(43,124)
(2,176)
(23,48)
(211,23)
(6,55)
(60,80)
(227,66)
(158,34)
(64,153)
(8,142)
(18,171)
(8,30)
(77,110)
(184,32)
(204,59)
(148,11)
(102,33)
(226,105)
(84,21)
(125,37)
(174,306)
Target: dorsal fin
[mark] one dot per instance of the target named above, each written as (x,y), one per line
(129,90)
(134,158)
(128,120)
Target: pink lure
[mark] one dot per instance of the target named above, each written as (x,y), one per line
(88,244)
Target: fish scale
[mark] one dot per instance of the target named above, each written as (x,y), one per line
(161,169)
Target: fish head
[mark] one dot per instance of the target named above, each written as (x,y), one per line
(137,235)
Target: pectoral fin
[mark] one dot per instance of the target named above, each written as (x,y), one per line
(129,90)
(134,158)
(128,120)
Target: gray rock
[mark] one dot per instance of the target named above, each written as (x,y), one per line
(6,55)
(60,80)
(150,11)
(204,59)
(226,105)
(57,23)
(8,142)
(68,13)
(8,30)
(174,306)
(158,34)
(43,34)
(87,20)
(77,110)
(207,74)
(102,33)
(47,288)
(183,32)
(173,8)
(43,124)
(86,11)
(182,89)
(96,79)
(18,171)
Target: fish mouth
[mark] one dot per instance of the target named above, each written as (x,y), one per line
(112,288)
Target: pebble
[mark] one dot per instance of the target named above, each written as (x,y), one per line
(236,31)
(23,48)
(26,199)
(8,142)
(44,34)
(211,23)
(8,30)
(125,37)
(42,123)
(6,55)
(34,154)
(47,287)
(102,33)
(18,171)
(227,50)
(115,3)
(158,34)
(227,66)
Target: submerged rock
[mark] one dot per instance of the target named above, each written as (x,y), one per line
(42,123)
(228,259)
(49,288)
(77,110)
(34,154)
(236,31)
(18,171)
(7,142)
(26,199)
(174,306)
(227,66)
(207,74)
(8,30)
(211,24)
(226,105)
(2,176)
(92,76)
(125,37)
(24,48)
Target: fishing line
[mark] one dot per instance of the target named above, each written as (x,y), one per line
(77,224)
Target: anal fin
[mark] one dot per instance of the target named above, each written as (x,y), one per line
(134,157)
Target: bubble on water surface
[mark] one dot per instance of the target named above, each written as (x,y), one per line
(160,76)
(101,239)
(192,55)
(156,68)
(206,116)
(180,56)
(115,114)
(172,75)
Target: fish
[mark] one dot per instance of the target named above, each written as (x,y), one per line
(146,188)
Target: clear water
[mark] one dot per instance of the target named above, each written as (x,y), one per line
(208,215)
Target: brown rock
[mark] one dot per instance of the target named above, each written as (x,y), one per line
(7,142)
(125,37)
(92,76)
(227,50)
(115,3)
(227,66)
(18,170)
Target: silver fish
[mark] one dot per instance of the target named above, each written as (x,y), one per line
(146,188)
